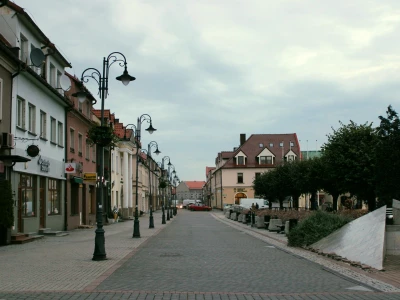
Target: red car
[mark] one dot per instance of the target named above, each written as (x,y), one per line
(199,206)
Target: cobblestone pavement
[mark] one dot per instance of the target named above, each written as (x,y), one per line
(196,255)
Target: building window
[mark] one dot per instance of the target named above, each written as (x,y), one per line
(87,109)
(264,160)
(21,113)
(27,195)
(72,140)
(43,124)
(116,164)
(290,158)
(271,145)
(281,144)
(261,145)
(240,160)
(87,151)
(93,153)
(239,177)
(31,118)
(60,134)
(53,198)
(80,141)
(258,175)
(53,132)
(58,86)
(52,79)
(291,144)
(80,105)
(24,49)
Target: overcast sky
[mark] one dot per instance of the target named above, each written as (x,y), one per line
(208,70)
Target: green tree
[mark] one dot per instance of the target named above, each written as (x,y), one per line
(329,182)
(350,151)
(387,159)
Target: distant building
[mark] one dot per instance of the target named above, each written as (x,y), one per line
(310,154)
(190,190)
(234,172)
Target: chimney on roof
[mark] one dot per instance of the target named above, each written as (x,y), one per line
(242,138)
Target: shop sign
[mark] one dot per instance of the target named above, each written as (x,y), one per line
(70,168)
(90,176)
(44,164)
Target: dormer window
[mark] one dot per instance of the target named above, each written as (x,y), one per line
(271,144)
(240,160)
(265,160)
(290,158)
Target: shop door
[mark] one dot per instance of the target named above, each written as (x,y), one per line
(19,221)
(42,203)
(84,205)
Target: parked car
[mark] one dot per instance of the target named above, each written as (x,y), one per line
(199,207)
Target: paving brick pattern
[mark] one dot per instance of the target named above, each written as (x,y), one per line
(195,256)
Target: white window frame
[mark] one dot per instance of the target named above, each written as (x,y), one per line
(60,129)
(267,161)
(43,124)
(31,118)
(21,113)
(244,160)
(24,53)
(53,130)
(52,76)
(87,151)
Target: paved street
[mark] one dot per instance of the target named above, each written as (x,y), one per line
(196,255)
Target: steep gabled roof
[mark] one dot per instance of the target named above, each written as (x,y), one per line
(195,185)
(256,143)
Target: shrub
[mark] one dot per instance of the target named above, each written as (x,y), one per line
(317,226)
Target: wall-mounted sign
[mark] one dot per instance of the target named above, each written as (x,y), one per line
(44,164)
(32,150)
(70,168)
(90,176)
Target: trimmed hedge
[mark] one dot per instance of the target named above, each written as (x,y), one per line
(317,226)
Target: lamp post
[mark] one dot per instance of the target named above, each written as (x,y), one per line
(175,181)
(102,80)
(148,152)
(140,120)
(163,175)
(170,181)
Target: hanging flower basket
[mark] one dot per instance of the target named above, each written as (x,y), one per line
(162,185)
(102,135)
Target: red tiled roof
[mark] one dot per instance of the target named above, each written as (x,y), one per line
(251,148)
(195,185)
(209,169)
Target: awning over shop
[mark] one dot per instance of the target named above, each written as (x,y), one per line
(77,180)
(10,160)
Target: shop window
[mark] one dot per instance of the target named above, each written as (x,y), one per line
(53,197)
(27,195)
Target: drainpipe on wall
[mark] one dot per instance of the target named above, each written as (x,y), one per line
(66,180)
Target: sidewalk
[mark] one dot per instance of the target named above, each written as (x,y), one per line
(388,280)
(65,263)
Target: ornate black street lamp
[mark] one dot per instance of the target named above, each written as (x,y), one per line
(170,181)
(164,180)
(148,153)
(140,120)
(102,80)
(175,183)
